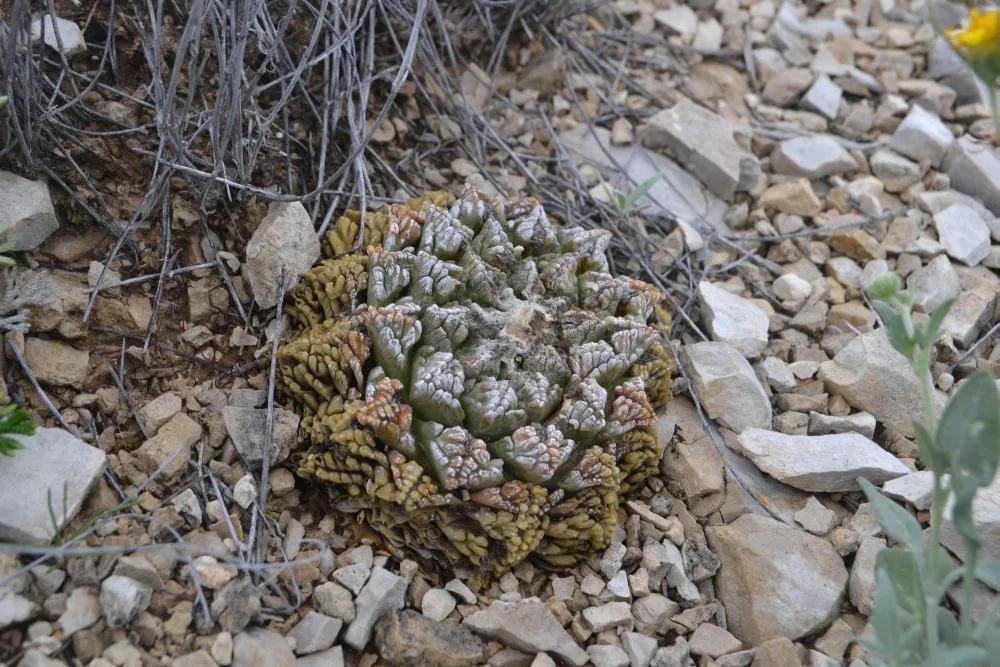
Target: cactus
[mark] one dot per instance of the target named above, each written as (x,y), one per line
(476,387)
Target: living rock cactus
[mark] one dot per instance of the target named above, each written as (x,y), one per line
(476,387)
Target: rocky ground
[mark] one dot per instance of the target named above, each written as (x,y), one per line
(804,151)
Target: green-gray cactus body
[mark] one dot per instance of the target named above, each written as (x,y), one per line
(477,385)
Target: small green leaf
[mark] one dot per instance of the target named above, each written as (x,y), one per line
(957,656)
(886,619)
(642,190)
(932,331)
(885,287)
(895,521)
(895,329)
(904,572)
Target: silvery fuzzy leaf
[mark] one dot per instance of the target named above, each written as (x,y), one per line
(434,280)
(443,235)
(582,411)
(534,453)
(525,281)
(581,326)
(388,418)
(588,472)
(534,232)
(436,385)
(601,292)
(597,361)
(633,342)
(491,408)
(388,276)
(590,244)
(536,394)
(558,274)
(493,246)
(483,283)
(548,361)
(403,229)
(444,327)
(393,336)
(473,208)
(458,459)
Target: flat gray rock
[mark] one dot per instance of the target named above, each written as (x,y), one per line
(259,646)
(775,581)
(285,241)
(974,169)
(727,386)
(528,626)
(916,488)
(54,462)
(812,157)
(732,319)
(963,233)
(383,593)
(27,208)
(922,136)
(248,429)
(820,463)
(62,35)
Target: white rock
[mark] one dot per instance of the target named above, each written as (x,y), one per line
(607,655)
(708,36)
(712,641)
(260,646)
(608,616)
(862,585)
(791,287)
(245,491)
(823,97)
(26,207)
(963,233)
(529,626)
(970,313)
(917,488)
(57,363)
(62,32)
(812,157)
(315,633)
(974,169)
(384,592)
(437,603)
(284,241)
(335,600)
(933,284)
(639,647)
(778,374)
(775,581)
(158,411)
(859,422)
(815,517)
(54,469)
(680,19)
(82,611)
(895,171)
(870,375)
(726,385)
(922,136)
(247,427)
(827,463)
(704,143)
(734,320)
(123,599)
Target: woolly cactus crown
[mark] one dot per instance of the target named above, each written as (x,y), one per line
(492,397)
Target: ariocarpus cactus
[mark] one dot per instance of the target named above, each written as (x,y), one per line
(476,387)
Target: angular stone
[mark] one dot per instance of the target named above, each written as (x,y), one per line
(823,97)
(170,446)
(607,655)
(703,142)
(870,375)
(680,19)
(407,639)
(123,599)
(970,313)
(528,626)
(933,284)
(437,603)
(963,233)
(727,386)
(820,463)
(332,657)
(639,648)
(82,611)
(335,600)
(712,641)
(284,242)
(862,585)
(315,633)
(859,422)
(26,207)
(895,171)
(383,593)
(775,581)
(916,488)
(734,320)
(812,157)
(609,616)
(56,363)
(791,287)
(692,462)
(259,646)
(794,197)
(974,169)
(777,652)
(61,35)
(160,410)
(248,429)
(815,517)
(778,374)
(922,136)
(54,469)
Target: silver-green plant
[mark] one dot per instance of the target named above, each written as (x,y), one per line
(912,621)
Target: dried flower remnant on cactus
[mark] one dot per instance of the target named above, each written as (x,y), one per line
(476,387)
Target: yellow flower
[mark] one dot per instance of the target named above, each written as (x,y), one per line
(981,33)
